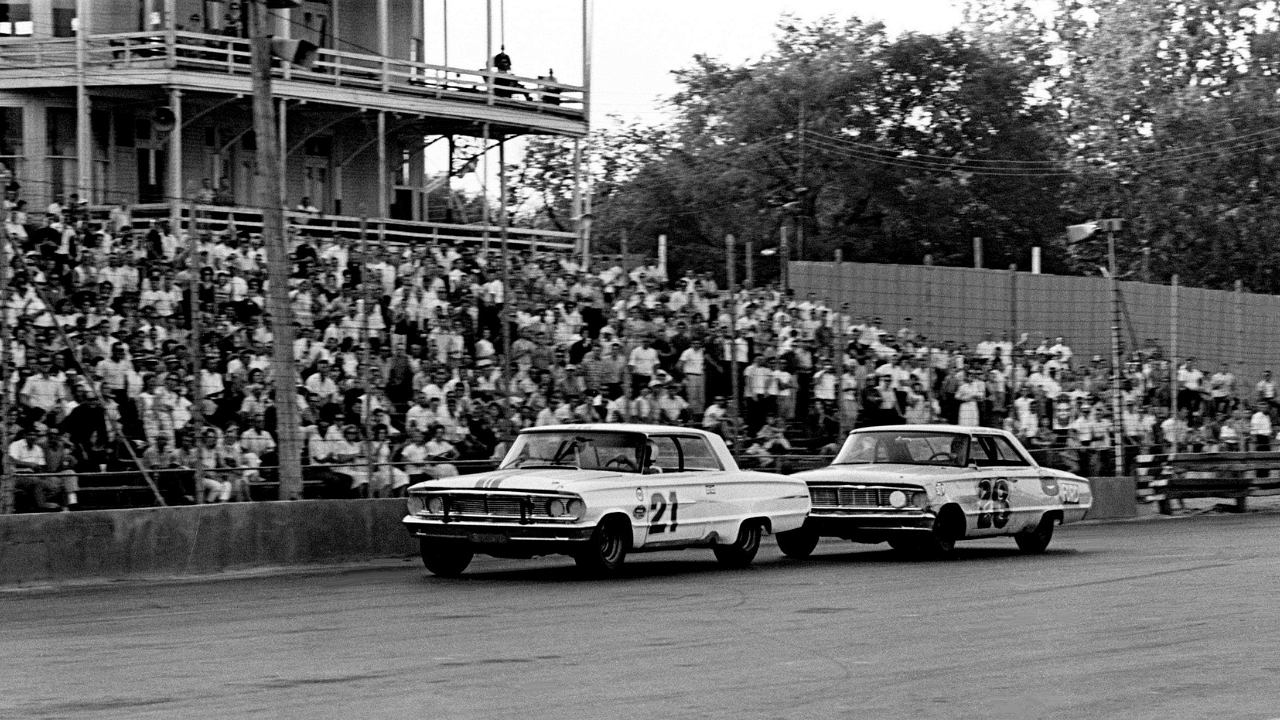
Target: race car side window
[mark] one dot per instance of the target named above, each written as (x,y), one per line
(698,454)
(1006,453)
(993,450)
(666,455)
(980,452)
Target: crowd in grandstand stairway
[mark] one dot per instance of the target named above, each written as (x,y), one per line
(401,363)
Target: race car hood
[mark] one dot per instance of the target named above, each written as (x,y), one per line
(881,473)
(534,480)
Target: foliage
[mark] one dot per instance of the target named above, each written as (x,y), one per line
(1030,117)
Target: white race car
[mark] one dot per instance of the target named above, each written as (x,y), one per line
(596,492)
(923,487)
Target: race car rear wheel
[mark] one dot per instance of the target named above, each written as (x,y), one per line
(1035,541)
(607,548)
(744,549)
(798,543)
(446,558)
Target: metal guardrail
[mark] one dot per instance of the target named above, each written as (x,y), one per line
(127,488)
(1164,478)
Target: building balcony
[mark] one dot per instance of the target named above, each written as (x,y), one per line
(221,218)
(511,104)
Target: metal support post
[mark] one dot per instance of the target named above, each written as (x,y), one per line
(195,347)
(506,259)
(175,161)
(84,139)
(1013,333)
(1117,370)
(1173,356)
(729,253)
(6,338)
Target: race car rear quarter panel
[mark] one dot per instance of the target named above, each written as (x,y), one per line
(1006,501)
(687,508)
(782,499)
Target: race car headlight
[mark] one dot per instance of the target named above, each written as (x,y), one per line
(435,505)
(576,509)
(898,499)
(920,500)
(556,508)
(416,503)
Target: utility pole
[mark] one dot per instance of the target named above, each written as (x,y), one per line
(288,442)
(800,190)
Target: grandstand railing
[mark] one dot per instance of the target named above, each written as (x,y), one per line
(336,68)
(219,218)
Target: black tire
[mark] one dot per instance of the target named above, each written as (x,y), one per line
(446,558)
(1035,541)
(798,543)
(607,548)
(744,549)
(940,542)
(904,544)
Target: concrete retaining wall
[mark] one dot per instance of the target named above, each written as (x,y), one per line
(1113,498)
(193,540)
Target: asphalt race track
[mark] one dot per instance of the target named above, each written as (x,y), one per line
(1154,619)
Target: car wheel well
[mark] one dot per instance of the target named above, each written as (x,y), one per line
(762,521)
(624,520)
(1055,515)
(952,516)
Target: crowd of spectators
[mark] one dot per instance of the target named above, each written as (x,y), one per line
(403,365)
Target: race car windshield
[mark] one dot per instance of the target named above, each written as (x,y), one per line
(583,450)
(905,447)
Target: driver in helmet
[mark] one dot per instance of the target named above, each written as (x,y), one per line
(651,459)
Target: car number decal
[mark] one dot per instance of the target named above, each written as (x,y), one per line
(993,504)
(658,504)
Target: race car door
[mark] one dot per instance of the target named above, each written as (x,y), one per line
(1015,496)
(992,508)
(675,482)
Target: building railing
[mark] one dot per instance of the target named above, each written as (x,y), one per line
(219,218)
(232,56)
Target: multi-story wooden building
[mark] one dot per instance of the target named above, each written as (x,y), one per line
(81,82)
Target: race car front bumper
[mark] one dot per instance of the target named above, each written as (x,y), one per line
(504,539)
(848,523)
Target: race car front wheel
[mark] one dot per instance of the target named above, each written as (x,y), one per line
(607,548)
(744,549)
(446,558)
(798,543)
(940,542)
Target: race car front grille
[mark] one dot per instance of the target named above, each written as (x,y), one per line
(845,496)
(497,506)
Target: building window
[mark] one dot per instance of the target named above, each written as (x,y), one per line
(65,23)
(11,153)
(60,153)
(15,19)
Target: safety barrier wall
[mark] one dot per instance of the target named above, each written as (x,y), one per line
(196,540)
(963,304)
